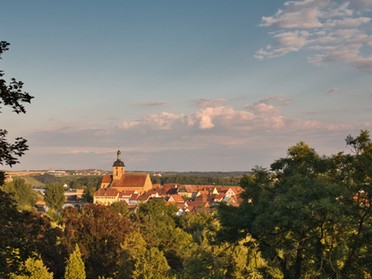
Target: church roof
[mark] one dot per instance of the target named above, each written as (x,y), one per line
(106,178)
(130,180)
(118,163)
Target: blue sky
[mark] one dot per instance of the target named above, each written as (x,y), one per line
(186,85)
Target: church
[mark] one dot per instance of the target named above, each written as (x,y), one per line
(119,182)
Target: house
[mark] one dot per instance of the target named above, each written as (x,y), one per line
(188,191)
(106,196)
(126,195)
(197,206)
(41,206)
(176,199)
(121,182)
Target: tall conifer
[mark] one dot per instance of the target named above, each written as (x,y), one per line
(75,268)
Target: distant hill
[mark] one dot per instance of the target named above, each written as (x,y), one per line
(32,181)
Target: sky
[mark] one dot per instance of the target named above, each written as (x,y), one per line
(186,85)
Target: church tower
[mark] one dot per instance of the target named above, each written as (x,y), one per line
(118,167)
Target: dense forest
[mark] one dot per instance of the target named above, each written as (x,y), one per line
(308,216)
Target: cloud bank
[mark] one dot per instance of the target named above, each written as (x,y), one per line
(215,135)
(331,31)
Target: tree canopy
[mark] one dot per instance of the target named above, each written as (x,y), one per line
(54,196)
(309,214)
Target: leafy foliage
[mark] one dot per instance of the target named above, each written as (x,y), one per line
(99,231)
(121,208)
(22,193)
(140,261)
(25,233)
(11,95)
(306,214)
(33,268)
(75,268)
(54,196)
(152,264)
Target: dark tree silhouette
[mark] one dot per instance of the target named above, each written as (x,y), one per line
(12,95)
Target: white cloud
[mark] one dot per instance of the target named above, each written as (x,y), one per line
(163,121)
(263,108)
(363,63)
(165,139)
(264,114)
(271,122)
(223,114)
(209,102)
(340,127)
(296,39)
(295,15)
(332,31)
(306,124)
(348,22)
(277,99)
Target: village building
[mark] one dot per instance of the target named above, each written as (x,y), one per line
(121,182)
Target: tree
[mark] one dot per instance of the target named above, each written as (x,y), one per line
(75,268)
(121,208)
(12,235)
(33,268)
(132,248)
(151,265)
(11,95)
(156,220)
(22,193)
(25,233)
(21,233)
(99,231)
(305,213)
(54,196)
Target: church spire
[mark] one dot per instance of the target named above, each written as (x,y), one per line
(118,154)
(118,167)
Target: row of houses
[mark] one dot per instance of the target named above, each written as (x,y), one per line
(187,198)
(137,188)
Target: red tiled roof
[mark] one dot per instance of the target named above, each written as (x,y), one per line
(130,180)
(206,187)
(106,178)
(134,197)
(143,198)
(191,188)
(126,194)
(202,198)
(176,198)
(40,202)
(107,192)
(195,206)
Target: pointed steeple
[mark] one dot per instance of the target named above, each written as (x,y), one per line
(118,154)
(118,167)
